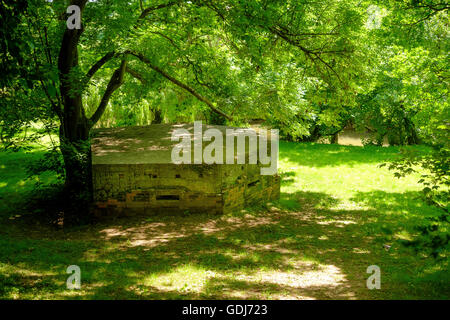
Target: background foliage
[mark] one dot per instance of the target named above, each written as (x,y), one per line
(310,69)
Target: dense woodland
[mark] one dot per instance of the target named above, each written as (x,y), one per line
(309,68)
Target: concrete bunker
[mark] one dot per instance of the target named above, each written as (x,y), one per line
(132,172)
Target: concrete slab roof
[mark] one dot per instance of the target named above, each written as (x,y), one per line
(142,144)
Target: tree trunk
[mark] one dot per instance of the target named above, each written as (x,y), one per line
(157,116)
(334,138)
(75,149)
(411,134)
(315,134)
(74,128)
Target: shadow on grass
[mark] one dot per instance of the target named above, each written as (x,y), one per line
(15,187)
(307,246)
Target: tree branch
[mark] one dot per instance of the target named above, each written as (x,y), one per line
(99,64)
(68,59)
(179,83)
(108,56)
(147,11)
(114,83)
(308,52)
(136,74)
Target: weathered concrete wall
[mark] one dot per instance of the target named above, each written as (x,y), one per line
(168,188)
(157,187)
(242,185)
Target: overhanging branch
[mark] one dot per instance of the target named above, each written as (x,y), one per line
(309,53)
(114,83)
(136,75)
(108,56)
(179,83)
(148,10)
(99,64)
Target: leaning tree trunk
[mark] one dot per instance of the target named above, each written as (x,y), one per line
(74,128)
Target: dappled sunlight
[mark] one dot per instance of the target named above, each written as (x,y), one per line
(201,255)
(184,279)
(143,229)
(191,279)
(24,271)
(316,242)
(224,150)
(361,251)
(27,278)
(313,283)
(338,223)
(153,233)
(277,247)
(329,276)
(300,254)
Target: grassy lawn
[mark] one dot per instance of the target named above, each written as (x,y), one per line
(337,212)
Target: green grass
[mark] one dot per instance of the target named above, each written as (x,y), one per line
(337,211)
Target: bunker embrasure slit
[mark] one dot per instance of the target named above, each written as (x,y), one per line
(168,197)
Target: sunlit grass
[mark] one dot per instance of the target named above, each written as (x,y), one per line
(337,212)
